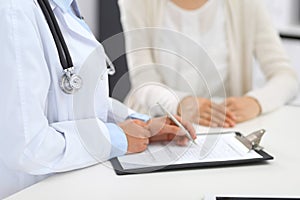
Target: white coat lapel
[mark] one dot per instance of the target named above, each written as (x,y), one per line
(75,27)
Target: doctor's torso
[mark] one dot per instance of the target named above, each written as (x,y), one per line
(45,71)
(81,43)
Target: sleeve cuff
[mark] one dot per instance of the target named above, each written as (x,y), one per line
(118,140)
(139,116)
(265,105)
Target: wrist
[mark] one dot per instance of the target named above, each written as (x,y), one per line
(256,103)
(118,140)
(182,103)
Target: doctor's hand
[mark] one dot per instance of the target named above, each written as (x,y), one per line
(164,129)
(140,133)
(204,112)
(243,108)
(137,136)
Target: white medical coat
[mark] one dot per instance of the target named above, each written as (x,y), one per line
(38,134)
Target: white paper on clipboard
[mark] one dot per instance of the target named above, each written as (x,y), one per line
(210,148)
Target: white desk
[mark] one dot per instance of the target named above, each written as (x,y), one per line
(280,177)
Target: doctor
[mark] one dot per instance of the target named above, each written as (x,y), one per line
(56,115)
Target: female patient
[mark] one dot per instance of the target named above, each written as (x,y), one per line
(233,33)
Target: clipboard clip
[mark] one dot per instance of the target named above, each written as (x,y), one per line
(252,141)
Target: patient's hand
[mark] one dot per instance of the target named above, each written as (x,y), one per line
(204,112)
(243,108)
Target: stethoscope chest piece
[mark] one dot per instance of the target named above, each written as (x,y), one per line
(71,83)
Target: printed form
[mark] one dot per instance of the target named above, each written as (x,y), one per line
(210,148)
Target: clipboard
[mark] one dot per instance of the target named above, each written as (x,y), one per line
(245,140)
(255,198)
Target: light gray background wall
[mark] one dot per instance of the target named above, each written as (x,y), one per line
(284,12)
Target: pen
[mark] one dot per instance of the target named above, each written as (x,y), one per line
(177,123)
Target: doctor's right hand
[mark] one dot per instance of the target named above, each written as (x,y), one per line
(204,112)
(139,134)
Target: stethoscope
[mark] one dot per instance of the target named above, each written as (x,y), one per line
(70,82)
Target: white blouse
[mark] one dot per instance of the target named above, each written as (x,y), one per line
(206,27)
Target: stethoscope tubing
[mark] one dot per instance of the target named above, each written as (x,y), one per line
(63,51)
(70,82)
